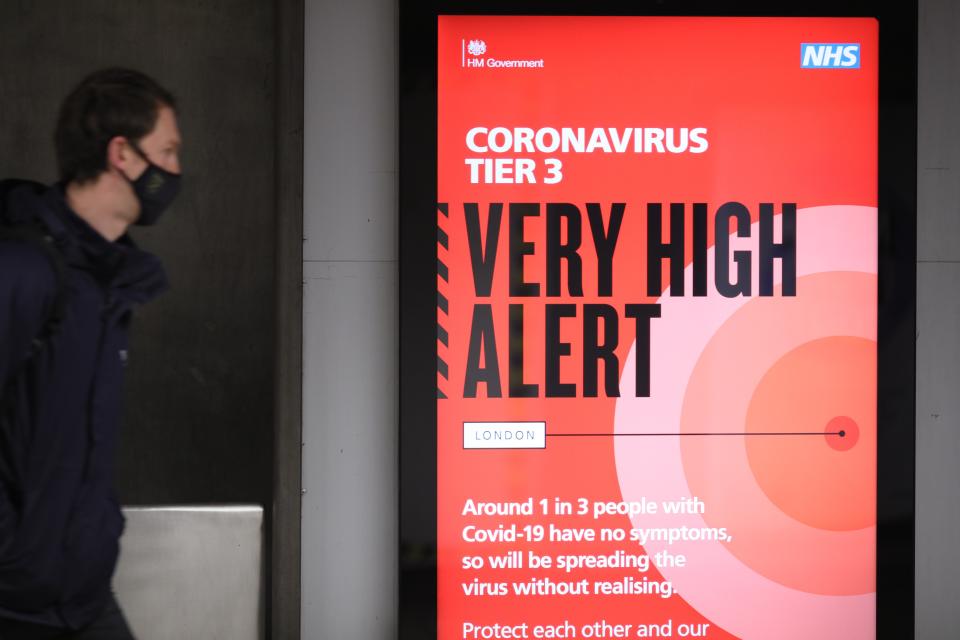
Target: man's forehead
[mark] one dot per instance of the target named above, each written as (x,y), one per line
(166,128)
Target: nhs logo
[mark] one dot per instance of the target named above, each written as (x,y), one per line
(818,55)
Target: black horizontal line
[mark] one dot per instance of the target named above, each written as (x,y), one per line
(741,433)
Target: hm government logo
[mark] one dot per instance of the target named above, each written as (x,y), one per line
(472,50)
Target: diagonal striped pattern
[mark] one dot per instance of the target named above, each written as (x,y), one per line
(443,305)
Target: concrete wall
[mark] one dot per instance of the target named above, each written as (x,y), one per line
(349,507)
(938,322)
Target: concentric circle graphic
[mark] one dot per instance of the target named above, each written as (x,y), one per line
(799,510)
(829,482)
(842,433)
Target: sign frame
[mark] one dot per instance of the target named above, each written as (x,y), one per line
(897,191)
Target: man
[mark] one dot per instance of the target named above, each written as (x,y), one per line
(65,305)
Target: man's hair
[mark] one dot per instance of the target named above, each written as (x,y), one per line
(107,103)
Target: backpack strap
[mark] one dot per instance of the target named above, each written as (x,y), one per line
(37,236)
(11,442)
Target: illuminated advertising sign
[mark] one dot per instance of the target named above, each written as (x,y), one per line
(656,327)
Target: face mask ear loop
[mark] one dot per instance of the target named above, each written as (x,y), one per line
(136,148)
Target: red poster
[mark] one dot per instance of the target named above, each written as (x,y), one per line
(657,310)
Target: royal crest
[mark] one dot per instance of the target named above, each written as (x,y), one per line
(477,47)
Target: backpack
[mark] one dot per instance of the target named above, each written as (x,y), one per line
(11,443)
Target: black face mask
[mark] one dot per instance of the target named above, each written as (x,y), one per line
(156,188)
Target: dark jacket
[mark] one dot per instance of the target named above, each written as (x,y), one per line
(59,535)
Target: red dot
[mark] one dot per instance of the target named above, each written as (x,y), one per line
(847,427)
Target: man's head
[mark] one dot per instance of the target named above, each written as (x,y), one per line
(117,131)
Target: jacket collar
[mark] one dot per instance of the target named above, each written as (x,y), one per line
(121,266)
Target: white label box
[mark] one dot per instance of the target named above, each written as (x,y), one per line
(504,435)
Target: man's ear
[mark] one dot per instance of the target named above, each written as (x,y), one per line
(119,154)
